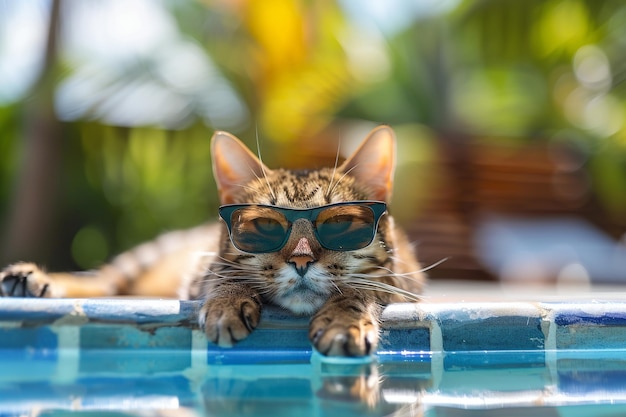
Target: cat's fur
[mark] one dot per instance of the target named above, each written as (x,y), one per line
(343,292)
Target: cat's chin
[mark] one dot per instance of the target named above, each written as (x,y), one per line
(304,303)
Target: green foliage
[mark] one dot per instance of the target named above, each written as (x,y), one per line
(529,69)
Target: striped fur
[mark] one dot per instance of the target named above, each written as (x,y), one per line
(342,291)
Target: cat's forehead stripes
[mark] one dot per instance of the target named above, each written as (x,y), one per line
(242,177)
(302,189)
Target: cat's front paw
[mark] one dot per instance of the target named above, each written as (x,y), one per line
(336,332)
(24,280)
(227,321)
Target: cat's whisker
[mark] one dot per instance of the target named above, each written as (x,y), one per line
(330,184)
(365,284)
(334,284)
(383,268)
(247,187)
(236,273)
(241,275)
(374,279)
(390,289)
(341,178)
(397,259)
(217,278)
(434,265)
(411,273)
(233,272)
(391,273)
(237,267)
(230,261)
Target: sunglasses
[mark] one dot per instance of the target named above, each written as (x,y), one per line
(258,228)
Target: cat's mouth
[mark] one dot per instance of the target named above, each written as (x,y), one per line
(301,302)
(303,297)
(301,294)
(304,285)
(304,290)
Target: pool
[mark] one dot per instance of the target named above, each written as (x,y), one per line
(453,359)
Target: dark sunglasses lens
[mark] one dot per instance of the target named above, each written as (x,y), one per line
(258,229)
(345,228)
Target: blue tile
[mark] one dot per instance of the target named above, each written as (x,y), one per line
(277,338)
(239,356)
(27,338)
(590,336)
(405,368)
(539,411)
(28,365)
(94,396)
(265,388)
(589,382)
(264,346)
(276,397)
(97,392)
(590,326)
(413,340)
(492,333)
(462,361)
(579,317)
(112,336)
(135,362)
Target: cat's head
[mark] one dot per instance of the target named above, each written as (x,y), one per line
(302,273)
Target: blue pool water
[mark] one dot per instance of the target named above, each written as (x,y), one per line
(462,384)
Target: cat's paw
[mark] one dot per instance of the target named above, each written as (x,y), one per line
(25,280)
(341,333)
(227,321)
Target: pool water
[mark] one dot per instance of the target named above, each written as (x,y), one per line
(176,382)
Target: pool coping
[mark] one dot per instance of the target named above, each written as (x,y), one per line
(590,322)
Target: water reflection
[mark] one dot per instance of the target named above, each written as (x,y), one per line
(361,389)
(448,385)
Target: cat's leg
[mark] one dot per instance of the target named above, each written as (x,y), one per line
(346,325)
(230,313)
(154,269)
(28,280)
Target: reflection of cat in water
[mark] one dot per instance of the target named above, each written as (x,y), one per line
(366,389)
(368,386)
(315,242)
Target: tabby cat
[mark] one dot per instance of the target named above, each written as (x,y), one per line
(315,242)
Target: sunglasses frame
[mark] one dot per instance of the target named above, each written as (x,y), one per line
(378,208)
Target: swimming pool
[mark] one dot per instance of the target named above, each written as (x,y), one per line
(453,359)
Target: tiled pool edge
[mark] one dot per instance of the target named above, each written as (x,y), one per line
(423,327)
(439,341)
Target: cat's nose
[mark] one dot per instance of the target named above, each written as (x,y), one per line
(302,257)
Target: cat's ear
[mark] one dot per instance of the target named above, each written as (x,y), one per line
(373,163)
(233,165)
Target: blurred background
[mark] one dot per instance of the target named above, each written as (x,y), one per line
(510,116)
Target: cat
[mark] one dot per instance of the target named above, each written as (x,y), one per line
(315,242)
